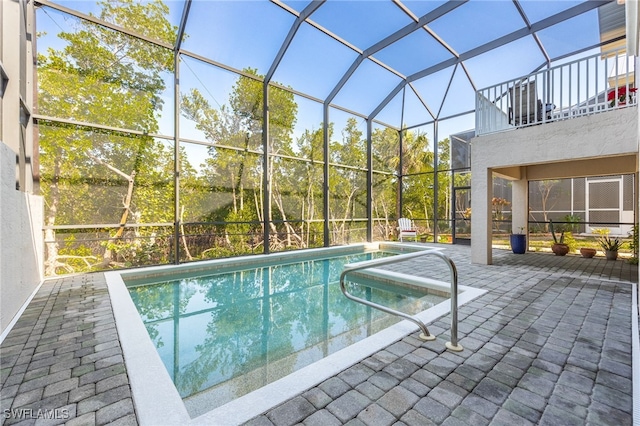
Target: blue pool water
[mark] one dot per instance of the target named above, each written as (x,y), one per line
(229,333)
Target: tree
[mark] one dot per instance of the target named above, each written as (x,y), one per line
(545,188)
(311,176)
(237,159)
(106,77)
(418,177)
(444,180)
(347,181)
(385,149)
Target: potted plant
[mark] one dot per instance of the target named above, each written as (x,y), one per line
(587,252)
(633,245)
(559,248)
(518,241)
(610,246)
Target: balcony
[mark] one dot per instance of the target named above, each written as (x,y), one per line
(595,84)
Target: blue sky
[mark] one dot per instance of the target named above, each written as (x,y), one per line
(249,33)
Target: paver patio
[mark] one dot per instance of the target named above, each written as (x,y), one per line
(549,344)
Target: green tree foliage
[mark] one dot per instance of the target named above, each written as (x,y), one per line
(443,195)
(310,145)
(234,167)
(385,144)
(347,182)
(92,176)
(418,180)
(103,90)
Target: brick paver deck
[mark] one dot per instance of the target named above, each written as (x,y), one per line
(549,344)
(62,362)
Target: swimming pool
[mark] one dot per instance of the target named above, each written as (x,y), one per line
(231,332)
(217,345)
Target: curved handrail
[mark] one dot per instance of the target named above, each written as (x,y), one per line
(425,335)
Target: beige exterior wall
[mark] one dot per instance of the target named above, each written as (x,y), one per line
(599,144)
(21,212)
(21,250)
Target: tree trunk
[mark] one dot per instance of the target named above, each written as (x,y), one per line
(346,215)
(108,253)
(426,216)
(51,262)
(182,236)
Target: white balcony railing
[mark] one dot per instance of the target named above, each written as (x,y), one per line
(597,83)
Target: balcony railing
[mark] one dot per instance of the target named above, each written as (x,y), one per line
(597,83)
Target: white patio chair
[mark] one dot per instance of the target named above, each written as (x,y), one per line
(406,228)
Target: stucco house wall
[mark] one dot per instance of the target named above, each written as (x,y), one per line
(21,246)
(21,211)
(598,144)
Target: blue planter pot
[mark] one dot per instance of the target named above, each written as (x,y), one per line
(518,243)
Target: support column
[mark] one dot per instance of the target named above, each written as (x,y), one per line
(481,209)
(520,206)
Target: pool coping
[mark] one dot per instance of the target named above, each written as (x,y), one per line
(157,400)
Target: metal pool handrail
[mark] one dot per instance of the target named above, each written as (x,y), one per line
(425,335)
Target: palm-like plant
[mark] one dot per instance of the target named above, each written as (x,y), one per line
(556,239)
(610,244)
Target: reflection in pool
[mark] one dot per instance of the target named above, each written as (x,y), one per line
(233,332)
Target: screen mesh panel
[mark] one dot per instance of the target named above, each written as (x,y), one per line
(627,190)
(604,195)
(579,199)
(604,217)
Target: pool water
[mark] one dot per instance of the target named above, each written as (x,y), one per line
(226,334)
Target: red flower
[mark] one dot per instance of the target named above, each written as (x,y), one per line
(620,94)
